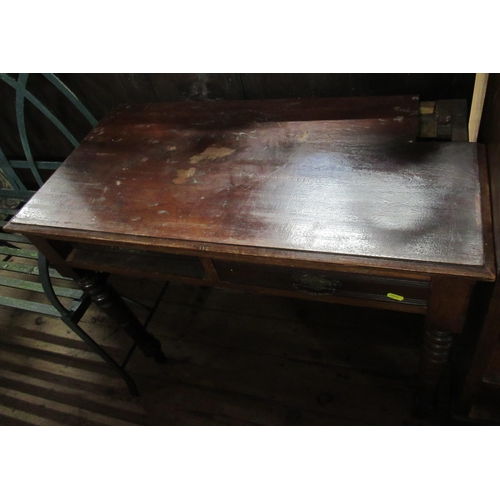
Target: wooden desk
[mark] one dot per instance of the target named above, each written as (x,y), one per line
(323,199)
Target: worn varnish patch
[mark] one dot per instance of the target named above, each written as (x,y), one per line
(211,153)
(184,175)
(303,136)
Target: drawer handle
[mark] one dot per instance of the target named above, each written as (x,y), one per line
(316,285)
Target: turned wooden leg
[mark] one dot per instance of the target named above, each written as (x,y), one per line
(434,355)
(446,310)
(105,296)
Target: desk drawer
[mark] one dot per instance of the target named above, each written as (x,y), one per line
(128,261)
(324,283)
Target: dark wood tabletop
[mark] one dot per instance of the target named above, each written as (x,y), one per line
(321,177)
(322,199)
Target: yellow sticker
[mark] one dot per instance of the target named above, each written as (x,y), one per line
(395,297)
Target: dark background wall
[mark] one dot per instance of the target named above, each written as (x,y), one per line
(101,92)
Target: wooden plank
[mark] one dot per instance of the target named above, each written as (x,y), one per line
(234,407)
(122,404)
(196,86)
(20,417)
(92,317)
(284,85)
(90,374)
(26,305)
(37,287)
(304,387)
(430,86)
(323,398)
(302,331)
(52,344)
(84,375)
(344,350)
(15,266)
(100,92)
(31,288)
(476,111)
(46,408)
(383,84)
(17,238)
(491,138)
(97,403)
(205,351)
(18,252)
(170,403)
(195,382)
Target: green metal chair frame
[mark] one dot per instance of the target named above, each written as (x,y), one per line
(13,195)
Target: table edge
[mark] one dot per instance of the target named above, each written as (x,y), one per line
(485,272)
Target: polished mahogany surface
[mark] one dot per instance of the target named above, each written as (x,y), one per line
(319,175)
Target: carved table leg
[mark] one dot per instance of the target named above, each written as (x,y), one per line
(446,310)
(434,356)
(105,296)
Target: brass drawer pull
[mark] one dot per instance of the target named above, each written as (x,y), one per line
(316,285)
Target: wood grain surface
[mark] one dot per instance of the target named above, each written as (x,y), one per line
(234,359)
(335,176)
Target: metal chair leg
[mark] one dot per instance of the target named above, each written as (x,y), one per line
(66,317)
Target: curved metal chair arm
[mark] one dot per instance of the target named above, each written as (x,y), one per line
(67,318)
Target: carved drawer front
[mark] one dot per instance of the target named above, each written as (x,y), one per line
(324,283)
